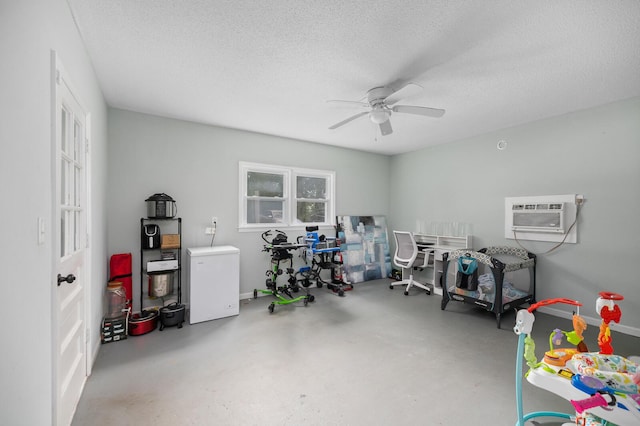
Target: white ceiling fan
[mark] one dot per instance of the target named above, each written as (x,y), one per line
(380,104)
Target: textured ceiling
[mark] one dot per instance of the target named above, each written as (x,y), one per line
(271,66)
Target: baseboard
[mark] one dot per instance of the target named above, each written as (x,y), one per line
(244,296)
(94,353)
(621,328)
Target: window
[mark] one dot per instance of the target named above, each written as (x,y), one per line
(286,196)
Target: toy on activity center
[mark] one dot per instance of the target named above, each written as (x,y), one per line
(602,387)
(608,311)
(559,357)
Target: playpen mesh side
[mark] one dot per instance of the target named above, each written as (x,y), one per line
(518,268)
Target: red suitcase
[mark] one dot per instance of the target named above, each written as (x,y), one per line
(120,270)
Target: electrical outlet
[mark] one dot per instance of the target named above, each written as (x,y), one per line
(210,230)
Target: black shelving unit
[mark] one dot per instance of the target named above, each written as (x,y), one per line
(167,226)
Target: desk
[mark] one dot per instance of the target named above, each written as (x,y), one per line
(436,246)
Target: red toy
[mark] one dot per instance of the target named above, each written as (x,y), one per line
(608,311)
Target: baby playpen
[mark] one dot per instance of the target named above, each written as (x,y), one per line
(494,278)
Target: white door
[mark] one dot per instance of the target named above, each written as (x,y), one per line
(70,369)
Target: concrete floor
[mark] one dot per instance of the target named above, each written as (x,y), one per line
(373,357)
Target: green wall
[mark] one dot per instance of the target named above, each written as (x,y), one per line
(198,166)
(593,152)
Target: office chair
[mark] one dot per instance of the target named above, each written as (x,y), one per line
(408,257)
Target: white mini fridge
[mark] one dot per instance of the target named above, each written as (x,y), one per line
(213,280)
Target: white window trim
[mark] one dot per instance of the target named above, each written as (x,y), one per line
(289,198)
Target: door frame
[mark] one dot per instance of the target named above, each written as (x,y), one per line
(58,75)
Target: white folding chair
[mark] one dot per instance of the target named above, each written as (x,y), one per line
(409,257)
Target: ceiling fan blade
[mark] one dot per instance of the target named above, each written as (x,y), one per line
(403,92)
(353,117)
(348,103)
(418,110)
(385,128)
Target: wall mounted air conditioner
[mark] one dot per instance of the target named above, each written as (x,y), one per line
(538,217)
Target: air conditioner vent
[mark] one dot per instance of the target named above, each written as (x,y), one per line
(549,218)
(539,217)
(538,206)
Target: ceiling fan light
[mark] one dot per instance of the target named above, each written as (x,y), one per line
(379,116)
